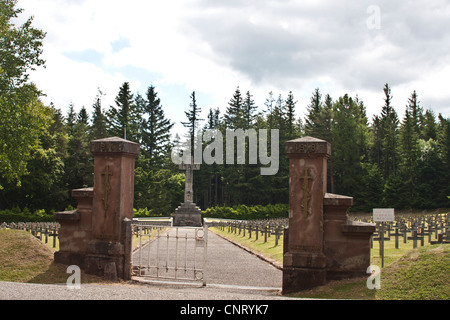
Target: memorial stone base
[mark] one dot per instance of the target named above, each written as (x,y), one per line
(187,214)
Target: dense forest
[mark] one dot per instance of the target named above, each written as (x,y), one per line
(391,160)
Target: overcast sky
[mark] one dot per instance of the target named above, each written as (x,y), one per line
(212,47)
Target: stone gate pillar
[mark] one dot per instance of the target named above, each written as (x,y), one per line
(304,262)
(321,242)
(112,204)
(97,235)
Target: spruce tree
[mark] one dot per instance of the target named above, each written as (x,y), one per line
(193,118)
(429,126)
(389,135)
(248,111)
(234,116)
(409,151)
(289,110)
(98,127)
(349,141)
(155,130)
(123,119)
(312,121)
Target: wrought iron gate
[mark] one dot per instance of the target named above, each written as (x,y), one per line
(167,252)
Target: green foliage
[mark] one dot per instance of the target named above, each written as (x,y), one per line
(123,120)
(243,212)
(155,130)
(25,215)
(22,116)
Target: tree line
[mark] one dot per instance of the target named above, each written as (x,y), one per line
(386,162)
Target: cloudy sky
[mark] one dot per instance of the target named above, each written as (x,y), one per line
(212,47)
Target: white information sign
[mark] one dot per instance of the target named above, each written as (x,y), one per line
(383,215)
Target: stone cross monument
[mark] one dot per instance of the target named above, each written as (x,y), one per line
(188,214)
(189,186)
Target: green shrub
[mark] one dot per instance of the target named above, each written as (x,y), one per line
(243,212)
(25,215)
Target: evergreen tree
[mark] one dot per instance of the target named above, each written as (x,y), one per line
(234,116)
(416,112)
(98,129)
(213,120)
(289,110)
(83,117)
(269,103)
(156,129)
(429,126)
(409,150)
(71,118)
(193,119)
(389,127)
(443,139)
(79,165)
(349,146)
(248,111)
(312,121)
(123,120)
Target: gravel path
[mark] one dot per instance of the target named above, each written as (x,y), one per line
(130,291)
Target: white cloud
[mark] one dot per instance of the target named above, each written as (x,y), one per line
(260,46)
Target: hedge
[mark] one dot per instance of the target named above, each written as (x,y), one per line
(25,215)
(243,212)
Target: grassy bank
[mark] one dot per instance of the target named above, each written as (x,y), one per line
(23,258)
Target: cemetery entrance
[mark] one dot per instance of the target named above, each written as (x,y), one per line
(168,253)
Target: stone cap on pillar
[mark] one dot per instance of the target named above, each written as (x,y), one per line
(308,147)
(114,145)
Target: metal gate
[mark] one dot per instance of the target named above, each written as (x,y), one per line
(167,252)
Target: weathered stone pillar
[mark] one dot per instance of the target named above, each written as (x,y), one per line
(304,262)
(112,203)
(321,242)
(98,233)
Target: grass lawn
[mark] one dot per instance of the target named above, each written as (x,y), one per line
(422,273)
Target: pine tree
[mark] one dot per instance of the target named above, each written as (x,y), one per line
(156,129)
(213,120)
(349,141)
(234,116)
(79,164)
(409,151)
(389,135)
(416,112)
(98,128)
(83,117)
(71,118)
(193,119)
(123,120)
(312,121)
(289,110)
(269,103)
(248,111)
(443,138)
(429,126)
